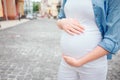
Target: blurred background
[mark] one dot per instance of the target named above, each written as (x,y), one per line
(29,41)
(15,9)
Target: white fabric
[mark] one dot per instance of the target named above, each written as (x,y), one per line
(79,45)
(76,46)
(85,72)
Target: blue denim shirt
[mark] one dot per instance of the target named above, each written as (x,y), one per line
(107,16)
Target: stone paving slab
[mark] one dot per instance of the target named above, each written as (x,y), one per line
(11,23)
(31,51)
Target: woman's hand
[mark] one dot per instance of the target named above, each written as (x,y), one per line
(96,53)
(71,26)
(71,61)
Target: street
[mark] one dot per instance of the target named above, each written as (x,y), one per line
(30,51)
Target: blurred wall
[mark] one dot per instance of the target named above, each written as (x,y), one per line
(11,9)
(20,7)
(1,9)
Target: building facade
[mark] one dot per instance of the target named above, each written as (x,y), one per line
(28,6)
(49,8)
(1,10)
(11,9)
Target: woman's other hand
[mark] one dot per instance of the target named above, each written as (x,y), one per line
(71,26)
(71,61)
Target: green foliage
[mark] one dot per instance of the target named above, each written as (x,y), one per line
(36,6)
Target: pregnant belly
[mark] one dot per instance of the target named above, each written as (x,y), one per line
(78,45)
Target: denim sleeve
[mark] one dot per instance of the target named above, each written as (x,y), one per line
(61,13)
(111,40)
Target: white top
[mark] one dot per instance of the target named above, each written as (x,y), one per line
(78,45)
(82,10)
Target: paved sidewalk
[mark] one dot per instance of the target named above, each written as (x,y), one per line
(31,51)
(11,23)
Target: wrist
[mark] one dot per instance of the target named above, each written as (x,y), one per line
(59,24)
(80,62)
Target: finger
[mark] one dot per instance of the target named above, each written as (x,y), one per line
(78,29)
(76,23)
(74,31)
(65,58)
(63,55)
(81,27)
(69,32)
(66,29)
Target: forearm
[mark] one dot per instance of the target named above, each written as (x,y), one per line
(93,55)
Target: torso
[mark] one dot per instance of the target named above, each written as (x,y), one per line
(78,45)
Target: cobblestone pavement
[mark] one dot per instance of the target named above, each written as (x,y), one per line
(30,51)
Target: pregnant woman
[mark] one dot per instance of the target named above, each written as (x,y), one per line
(90,35)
